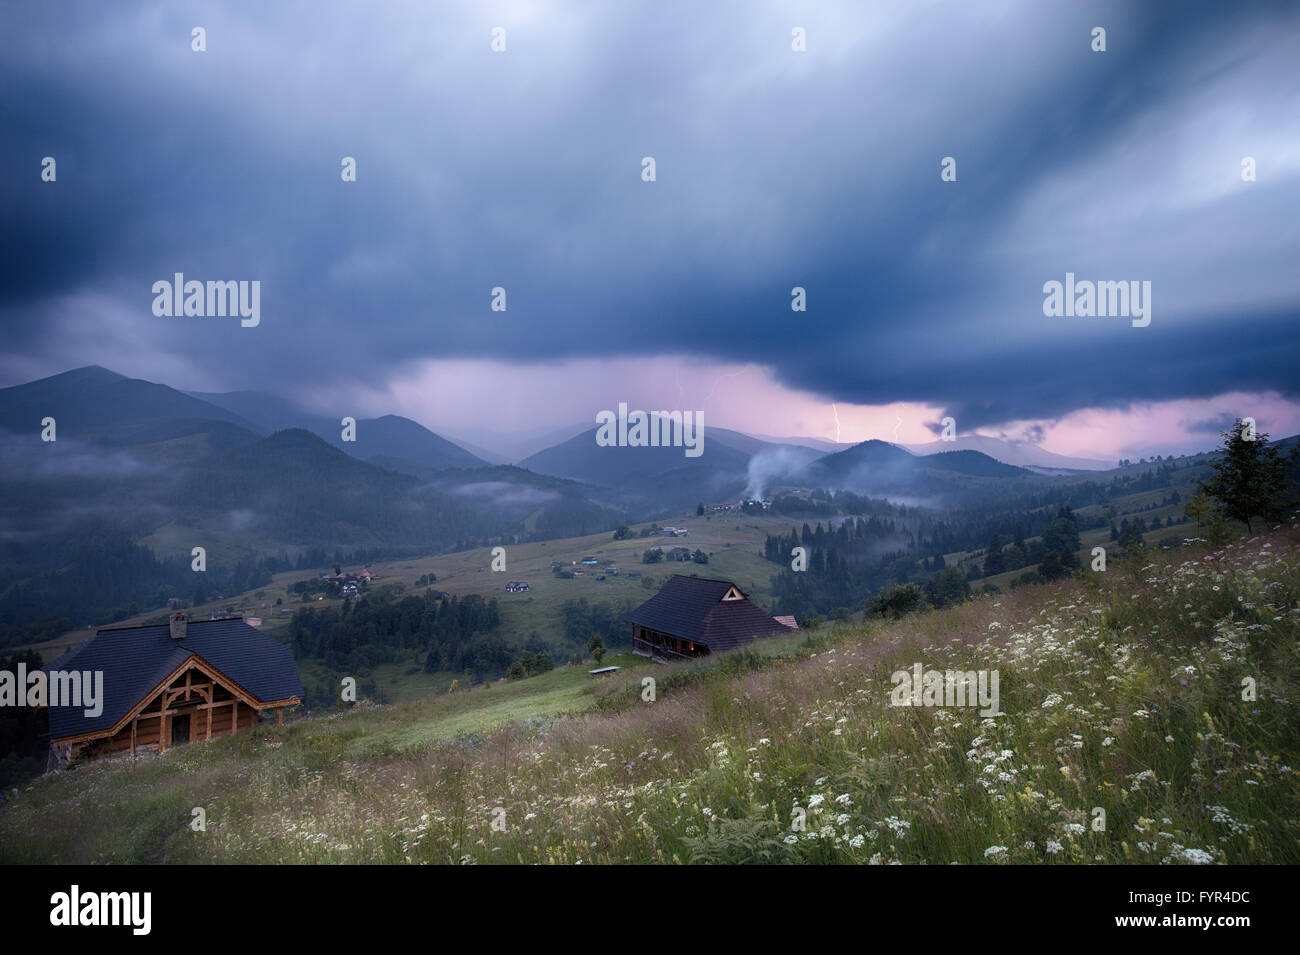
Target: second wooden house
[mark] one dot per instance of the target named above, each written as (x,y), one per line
(696,616)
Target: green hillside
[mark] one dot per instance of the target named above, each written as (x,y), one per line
(1123,737)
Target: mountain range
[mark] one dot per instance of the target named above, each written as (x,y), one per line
(164,426)
(140,473)
(101,407)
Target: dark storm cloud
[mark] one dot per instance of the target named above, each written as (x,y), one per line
(775,169)
(1216,425)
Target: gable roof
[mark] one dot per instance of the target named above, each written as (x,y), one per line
(693,608)
(134,660)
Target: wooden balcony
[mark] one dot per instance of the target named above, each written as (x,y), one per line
(644,648)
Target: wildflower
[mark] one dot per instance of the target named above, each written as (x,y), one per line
(897,826)
(994,851)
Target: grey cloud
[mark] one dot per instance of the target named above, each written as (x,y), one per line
(522,170)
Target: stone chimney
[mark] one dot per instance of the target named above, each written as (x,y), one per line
(178,623)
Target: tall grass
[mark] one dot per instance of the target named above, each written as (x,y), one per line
(1124,737)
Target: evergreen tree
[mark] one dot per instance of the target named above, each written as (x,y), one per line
(1061,537)
(1130,537)
(1199,509)
(947,587)
(1051,567)
(1250,479)
(996,561)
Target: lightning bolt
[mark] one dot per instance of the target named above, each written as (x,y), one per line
(837,422)
(896,427)
(720,378)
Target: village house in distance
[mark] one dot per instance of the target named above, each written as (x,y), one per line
(695,616)
(173,683)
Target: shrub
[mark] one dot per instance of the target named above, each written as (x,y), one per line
(896,600)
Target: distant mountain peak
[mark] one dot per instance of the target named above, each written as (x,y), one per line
(878,443)
(1021,454)
(88,373)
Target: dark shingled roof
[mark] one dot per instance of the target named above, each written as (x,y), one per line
(135,660)
(692,608)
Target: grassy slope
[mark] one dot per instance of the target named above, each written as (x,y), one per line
(735,543)
(1120,691)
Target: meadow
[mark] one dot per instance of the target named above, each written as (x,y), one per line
(1147,716)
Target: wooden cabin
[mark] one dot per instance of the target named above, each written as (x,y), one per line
(695,616)
(173,683)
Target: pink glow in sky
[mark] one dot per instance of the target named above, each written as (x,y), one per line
(483,399)
(1163,427)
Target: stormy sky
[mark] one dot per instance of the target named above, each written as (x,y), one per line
(775,168)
